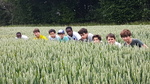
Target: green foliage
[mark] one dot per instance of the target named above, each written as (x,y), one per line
(120,11)
(4,17)
(40,61)
(74,11)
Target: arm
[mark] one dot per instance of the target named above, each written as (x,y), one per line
(145,46)
(142,44)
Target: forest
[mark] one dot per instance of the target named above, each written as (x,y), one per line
(23,12)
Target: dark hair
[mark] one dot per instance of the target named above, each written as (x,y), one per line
(36,30)
(125,33)
(69,28)
(82,30)
(18,33)
(98,36)
(111,35)
(52,30)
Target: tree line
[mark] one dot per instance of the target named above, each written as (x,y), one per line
(14,12)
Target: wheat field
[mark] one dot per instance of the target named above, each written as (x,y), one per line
(51,62)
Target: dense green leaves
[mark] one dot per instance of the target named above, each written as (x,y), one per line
(73,11)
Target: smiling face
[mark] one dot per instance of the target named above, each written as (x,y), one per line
(69,32)
(111,40)
(52,34)
(37,34)
(126,39)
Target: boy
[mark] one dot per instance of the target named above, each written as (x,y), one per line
(20,36)
(85,36)
(126,36)
(111,39)
(36,32)
(72,35)
(52,35)
(97,39)
(62,37)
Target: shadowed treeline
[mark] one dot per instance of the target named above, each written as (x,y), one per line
(73,11)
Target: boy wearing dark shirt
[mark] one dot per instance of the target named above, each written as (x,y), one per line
(126,36)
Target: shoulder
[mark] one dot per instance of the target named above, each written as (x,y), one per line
(118,44)
(49,37)
(43,37)
(57,36)
(136,41)
(75,33)
(66,37)
(24,37)
(90,34)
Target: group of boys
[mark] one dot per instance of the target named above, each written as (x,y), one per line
(85,36)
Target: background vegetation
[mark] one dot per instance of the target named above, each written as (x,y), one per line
(16,12)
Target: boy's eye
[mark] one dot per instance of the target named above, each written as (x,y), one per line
(110,39)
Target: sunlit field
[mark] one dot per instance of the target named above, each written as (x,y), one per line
(51,62)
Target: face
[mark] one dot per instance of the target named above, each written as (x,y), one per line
(111,40)
(37,34)
(69,32)
(18,35)
(126,39)
(96,40)
(61,35)
(52,34)
(84,36)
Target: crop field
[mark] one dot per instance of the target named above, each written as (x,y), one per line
(51,62)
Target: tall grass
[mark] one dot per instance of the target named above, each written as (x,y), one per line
(49,62)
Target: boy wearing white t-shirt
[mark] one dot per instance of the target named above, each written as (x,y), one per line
(72,35)
(111,39)
(20,36)
(85,36)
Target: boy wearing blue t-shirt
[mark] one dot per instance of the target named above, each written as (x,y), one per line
(62,37)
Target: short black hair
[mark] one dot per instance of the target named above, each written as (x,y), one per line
(111,35)
(18,33)
(82,30)
(69,28)
(98,36)
(52,30)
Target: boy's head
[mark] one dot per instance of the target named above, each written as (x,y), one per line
(61,33)
(69,31)
(126,35)
(96,38)
(111,38)
(36,32)
(52,33)
(18,35)
(83,33)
